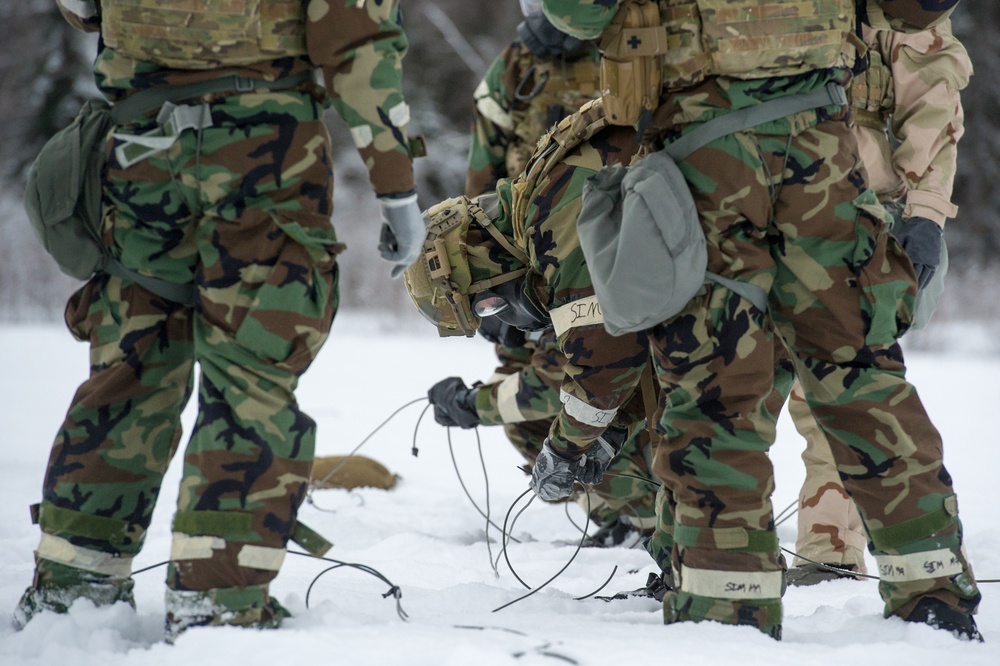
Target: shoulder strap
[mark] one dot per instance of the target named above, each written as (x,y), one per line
(832,94)
(736,121)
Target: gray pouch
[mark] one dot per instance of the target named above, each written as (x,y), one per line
(644,245)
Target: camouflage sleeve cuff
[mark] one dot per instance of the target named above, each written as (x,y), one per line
(930,205)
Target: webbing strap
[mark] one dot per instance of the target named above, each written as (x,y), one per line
(916,529)
(172,291)
(832,94)
(726,538)
(756,295)
(144,101)
(231,525)
(57,520)
(310,540)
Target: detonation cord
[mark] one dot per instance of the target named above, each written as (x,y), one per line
(576,552)
(314,485)
(465,489)
(394,590)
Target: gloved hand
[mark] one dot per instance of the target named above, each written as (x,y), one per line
(403,230)
(921,238)
(546,41)
(500,333)
(454,403)
(553,474)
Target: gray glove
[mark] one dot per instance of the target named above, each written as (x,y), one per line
(403,230)
(553,474)
(921,238)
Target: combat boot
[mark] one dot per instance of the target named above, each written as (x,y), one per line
(936,613)
(232,607)
(656,588)
(56,586)
(812,574)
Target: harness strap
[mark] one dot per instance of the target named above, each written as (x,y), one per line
(832,94)
(144,101)
(737,121)
(172,291)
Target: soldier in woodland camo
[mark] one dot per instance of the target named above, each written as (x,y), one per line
(907,115)
(534,83)
(784,206)
(231,192)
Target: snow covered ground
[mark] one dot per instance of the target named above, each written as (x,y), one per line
(427,538)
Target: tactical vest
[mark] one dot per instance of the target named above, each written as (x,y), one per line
(204,34)
(548,91)
(871,94)
(551,150)
(656,45)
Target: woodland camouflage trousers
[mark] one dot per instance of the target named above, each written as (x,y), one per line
(628,489)
(791,214)
(242,209)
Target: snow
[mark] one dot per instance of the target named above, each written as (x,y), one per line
(427,538)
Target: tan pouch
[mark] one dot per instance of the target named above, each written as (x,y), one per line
(350,472)
(632,49)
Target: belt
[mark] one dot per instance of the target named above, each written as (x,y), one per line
(144,101)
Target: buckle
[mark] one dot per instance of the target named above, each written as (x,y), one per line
(242,84)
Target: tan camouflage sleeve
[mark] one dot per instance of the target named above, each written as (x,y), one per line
(359,45)
(929,71)
(81,14)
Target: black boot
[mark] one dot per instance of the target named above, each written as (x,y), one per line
(936,613)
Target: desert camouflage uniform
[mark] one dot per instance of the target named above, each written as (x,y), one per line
(784,206)
(241,209)
(907,114)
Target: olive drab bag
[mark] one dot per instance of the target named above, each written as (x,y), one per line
(63,202)
(63,194)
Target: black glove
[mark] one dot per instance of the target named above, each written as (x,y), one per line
(545,41)
(500,333)
(454,403)
(553,474)
(921,238)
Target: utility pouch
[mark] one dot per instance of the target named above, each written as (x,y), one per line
(639,228)
(63,195)
(63,202)
(632,49)
(644,245)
